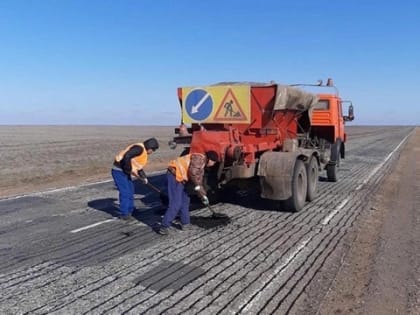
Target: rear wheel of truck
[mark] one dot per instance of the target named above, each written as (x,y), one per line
(332,167)
(312,175)
(299,188)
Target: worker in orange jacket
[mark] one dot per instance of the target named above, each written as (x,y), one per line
(186,168)
(130,162)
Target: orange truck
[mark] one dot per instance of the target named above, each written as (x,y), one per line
(280,135)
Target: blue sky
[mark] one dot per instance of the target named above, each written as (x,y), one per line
(120,62)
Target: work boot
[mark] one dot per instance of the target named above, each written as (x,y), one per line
(126,217)
(162,230)
(186,227)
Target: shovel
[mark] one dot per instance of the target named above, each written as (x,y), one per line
(216,215)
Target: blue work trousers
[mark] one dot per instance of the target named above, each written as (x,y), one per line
(126,188)
(179,202)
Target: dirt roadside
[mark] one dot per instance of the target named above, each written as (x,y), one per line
(381,272)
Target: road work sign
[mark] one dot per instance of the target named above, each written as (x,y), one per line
(198,104)
(230,109)
(216,104)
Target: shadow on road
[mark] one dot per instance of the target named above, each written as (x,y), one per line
(148,203)
(150,208)
(250,198)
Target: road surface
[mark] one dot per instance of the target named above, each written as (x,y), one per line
(63,251)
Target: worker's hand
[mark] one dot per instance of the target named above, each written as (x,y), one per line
(197,188)
(205,200)
(144,180)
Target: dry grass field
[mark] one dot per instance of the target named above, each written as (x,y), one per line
(35,158)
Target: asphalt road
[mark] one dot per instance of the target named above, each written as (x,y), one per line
(63,252)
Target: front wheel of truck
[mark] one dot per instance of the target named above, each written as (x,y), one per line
(334,164)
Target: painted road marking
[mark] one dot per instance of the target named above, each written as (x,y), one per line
(68,188)
(250,302)
(380,165)
(44,192)
(374,171)
(92,225)
(334,212)
(41,193)
(199,104)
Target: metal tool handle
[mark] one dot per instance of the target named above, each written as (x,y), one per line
(212,211)
(154,187)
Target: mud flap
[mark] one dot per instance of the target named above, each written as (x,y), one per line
(276,173)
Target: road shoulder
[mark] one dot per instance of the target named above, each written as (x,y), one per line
(379,274)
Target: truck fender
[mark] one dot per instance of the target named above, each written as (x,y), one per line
(275,170)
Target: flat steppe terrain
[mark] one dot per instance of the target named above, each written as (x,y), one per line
(35,158)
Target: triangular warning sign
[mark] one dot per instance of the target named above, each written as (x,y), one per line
(230,109)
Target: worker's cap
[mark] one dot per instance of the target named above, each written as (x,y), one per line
(212,155)
(152,144)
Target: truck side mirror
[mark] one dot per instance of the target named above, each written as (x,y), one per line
(351,112)
(350,116)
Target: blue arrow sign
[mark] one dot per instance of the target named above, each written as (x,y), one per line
(199,104)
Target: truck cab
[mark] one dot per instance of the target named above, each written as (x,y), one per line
(328,118)
(327,123)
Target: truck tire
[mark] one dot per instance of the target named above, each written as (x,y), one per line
(332,167)
(299,188)
(312,175)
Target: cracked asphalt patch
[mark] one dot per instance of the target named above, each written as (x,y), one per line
(210,222)
(162,276)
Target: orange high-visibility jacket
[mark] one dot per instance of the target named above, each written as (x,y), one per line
(180,165)
(137,162)
(189,167)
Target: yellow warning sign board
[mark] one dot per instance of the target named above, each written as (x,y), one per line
(230,109)
(216,104)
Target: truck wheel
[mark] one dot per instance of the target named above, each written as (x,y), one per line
(299,188)
(332,168)
(312,174)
